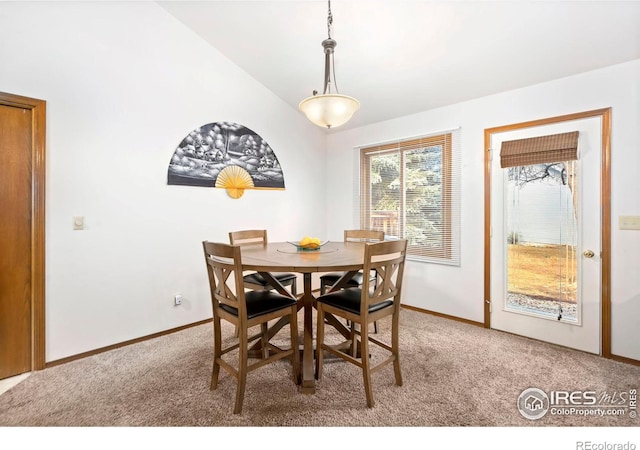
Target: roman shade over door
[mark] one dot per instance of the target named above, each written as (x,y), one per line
(539,150)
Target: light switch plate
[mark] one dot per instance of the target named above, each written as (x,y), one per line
(629,222)
(78,223)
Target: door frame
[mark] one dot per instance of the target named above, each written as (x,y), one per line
(38,168)
(605,207)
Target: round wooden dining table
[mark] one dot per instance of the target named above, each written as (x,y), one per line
(347,257)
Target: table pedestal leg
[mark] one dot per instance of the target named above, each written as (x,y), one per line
(308,385)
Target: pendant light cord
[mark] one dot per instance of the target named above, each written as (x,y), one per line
(330,72)
(329,21)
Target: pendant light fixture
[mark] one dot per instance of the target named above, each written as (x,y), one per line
(330,109)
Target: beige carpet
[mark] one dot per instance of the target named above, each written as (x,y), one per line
(454,375)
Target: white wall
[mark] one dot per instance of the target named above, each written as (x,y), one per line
(124,83)
(458,291)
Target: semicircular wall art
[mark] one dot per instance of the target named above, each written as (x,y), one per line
(225,155)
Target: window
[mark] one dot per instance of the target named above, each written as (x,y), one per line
(410,189)
(541,211)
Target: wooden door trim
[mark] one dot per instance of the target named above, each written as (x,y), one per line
(38,116)
(605,204)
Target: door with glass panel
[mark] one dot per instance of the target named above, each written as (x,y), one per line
(545,233)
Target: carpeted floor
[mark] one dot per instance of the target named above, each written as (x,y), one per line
(454,375)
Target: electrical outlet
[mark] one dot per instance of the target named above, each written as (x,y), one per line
(177,300)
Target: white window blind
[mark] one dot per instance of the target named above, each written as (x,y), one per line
(410,189)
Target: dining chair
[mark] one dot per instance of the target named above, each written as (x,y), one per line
(363,306)
(254,280)
(329,279)
(244,310)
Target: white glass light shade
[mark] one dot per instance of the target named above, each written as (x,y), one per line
(329,110)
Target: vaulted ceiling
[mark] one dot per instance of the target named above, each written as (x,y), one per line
(399,57)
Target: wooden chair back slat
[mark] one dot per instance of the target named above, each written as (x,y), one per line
(363,235)
(248,237)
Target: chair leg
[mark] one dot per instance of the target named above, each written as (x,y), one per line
(395,347)
(293,325)
(319,342)
(217,353)
(243,362)
(366,365)
(375,327)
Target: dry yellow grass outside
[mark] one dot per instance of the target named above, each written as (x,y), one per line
(542,271)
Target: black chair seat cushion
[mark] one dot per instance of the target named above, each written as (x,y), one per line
(261,302)
(350,299)
(256,278)
(331,278)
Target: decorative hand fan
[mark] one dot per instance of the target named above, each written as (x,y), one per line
(225,155)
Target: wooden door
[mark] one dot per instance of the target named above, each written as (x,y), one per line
(21,235)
